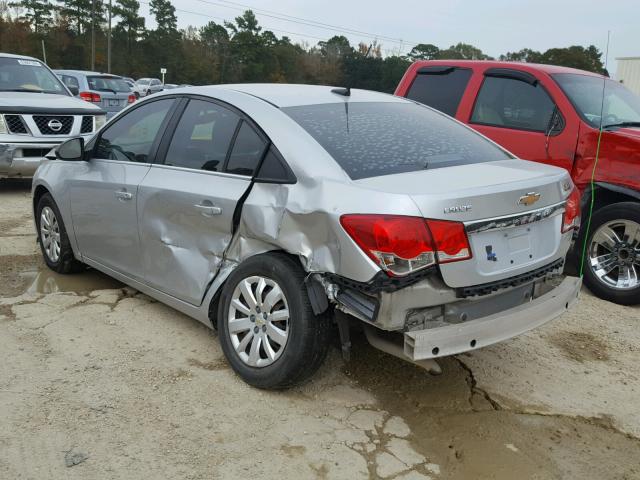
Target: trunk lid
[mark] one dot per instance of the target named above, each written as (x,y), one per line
(485,196)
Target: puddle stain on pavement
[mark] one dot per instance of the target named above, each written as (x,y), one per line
(453,425)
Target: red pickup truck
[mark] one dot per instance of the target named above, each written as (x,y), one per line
(552,115)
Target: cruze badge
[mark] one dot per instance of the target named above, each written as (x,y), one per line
(458,209)
(529,199)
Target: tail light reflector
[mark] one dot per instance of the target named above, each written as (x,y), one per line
(401,245)
(90,97)
(131,99)
(571,216)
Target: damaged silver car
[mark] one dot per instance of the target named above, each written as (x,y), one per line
(280,213)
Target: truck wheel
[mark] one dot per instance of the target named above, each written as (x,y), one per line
(52,237)
(267,328)
(612,260)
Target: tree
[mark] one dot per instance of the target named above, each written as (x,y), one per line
(424,51)
(81,11)
(130,20)
(462,51)
(575,57)
(524,55)
(165,14)
(38,13)
(337,46)
(216,40)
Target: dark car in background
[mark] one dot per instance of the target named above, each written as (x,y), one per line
(110,92)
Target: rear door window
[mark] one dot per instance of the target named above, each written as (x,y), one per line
(247,151)
(203,136)
(511,103)
(440,88)
(369,139)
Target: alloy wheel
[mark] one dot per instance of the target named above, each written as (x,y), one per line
(258,321)
(614,254)
(50,233)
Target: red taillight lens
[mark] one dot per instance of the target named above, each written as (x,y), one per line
(401,245)
(571,216)
(131,99)
(451,240)
(90,97)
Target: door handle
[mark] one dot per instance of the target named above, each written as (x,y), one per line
(208,210)
(123,195)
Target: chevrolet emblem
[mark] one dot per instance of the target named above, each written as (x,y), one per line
(529,199)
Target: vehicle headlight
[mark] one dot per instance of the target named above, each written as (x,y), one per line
(3,126)
(100,121)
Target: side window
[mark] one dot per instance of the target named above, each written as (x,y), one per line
(247,151)
(440,90)
(130,137)
(70,81)
(202,137)
(273,169)
(511,103)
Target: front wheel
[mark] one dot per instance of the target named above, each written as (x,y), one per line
(52,237)
(267,328)
(612,259)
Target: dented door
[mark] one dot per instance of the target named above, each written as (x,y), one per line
(185,220)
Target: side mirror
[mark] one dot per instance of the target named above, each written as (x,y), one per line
(72,150)
(75,91)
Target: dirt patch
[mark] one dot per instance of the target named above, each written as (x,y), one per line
(293,450)
(16,273)
(8,224)
(581,346)
(215,365)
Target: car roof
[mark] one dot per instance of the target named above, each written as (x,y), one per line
(26,57)
(85,72)
(530,67)
(291,95)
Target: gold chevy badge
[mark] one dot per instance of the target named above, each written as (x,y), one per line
(529,199)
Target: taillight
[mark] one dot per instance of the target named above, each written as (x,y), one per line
(90,97)
(571,216)
(400,245)
(131,99)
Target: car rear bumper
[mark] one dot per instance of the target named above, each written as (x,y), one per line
(480,332)
(22,159)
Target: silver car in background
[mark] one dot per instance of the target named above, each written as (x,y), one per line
(147,86)
(109,92)
(279,214)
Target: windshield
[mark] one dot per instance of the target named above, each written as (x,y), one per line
(107,84)
(25,75)
(621,106)
(144,81)
(370,139)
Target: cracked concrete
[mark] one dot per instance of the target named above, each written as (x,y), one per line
(145,392)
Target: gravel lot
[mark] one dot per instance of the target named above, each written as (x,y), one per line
(101,382)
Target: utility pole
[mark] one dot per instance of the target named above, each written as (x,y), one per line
(93,35)
(109,42)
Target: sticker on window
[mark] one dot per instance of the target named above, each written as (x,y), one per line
(31,63)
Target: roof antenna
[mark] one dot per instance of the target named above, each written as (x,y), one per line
(346,92)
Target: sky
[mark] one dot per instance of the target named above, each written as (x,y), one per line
(494,26)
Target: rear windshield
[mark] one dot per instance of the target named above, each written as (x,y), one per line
(107,84)
(370,139)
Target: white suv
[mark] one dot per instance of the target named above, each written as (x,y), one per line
(37,113)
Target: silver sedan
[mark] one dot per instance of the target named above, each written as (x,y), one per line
(280,214)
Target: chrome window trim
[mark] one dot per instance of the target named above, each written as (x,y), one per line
(511,221)
(197,170)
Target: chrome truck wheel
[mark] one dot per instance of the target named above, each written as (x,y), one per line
(612,261)
(258,321)
(614,254)
(50,234)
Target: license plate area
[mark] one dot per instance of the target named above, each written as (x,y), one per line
(114,102)
(498,251)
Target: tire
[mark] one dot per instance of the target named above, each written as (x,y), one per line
(51,231)
(307,335)
(137,95)
(618,251)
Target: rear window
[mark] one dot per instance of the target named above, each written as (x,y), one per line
(370,139)
(440,89)
(107,84)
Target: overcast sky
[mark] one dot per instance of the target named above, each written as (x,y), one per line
(495,26)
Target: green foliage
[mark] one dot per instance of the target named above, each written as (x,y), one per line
(237,51)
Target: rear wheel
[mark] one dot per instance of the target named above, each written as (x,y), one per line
(52,237)
(612,260)
(267,328)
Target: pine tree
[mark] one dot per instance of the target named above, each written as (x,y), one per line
(130,20)
(80,12)
(165,14)
(38,13)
